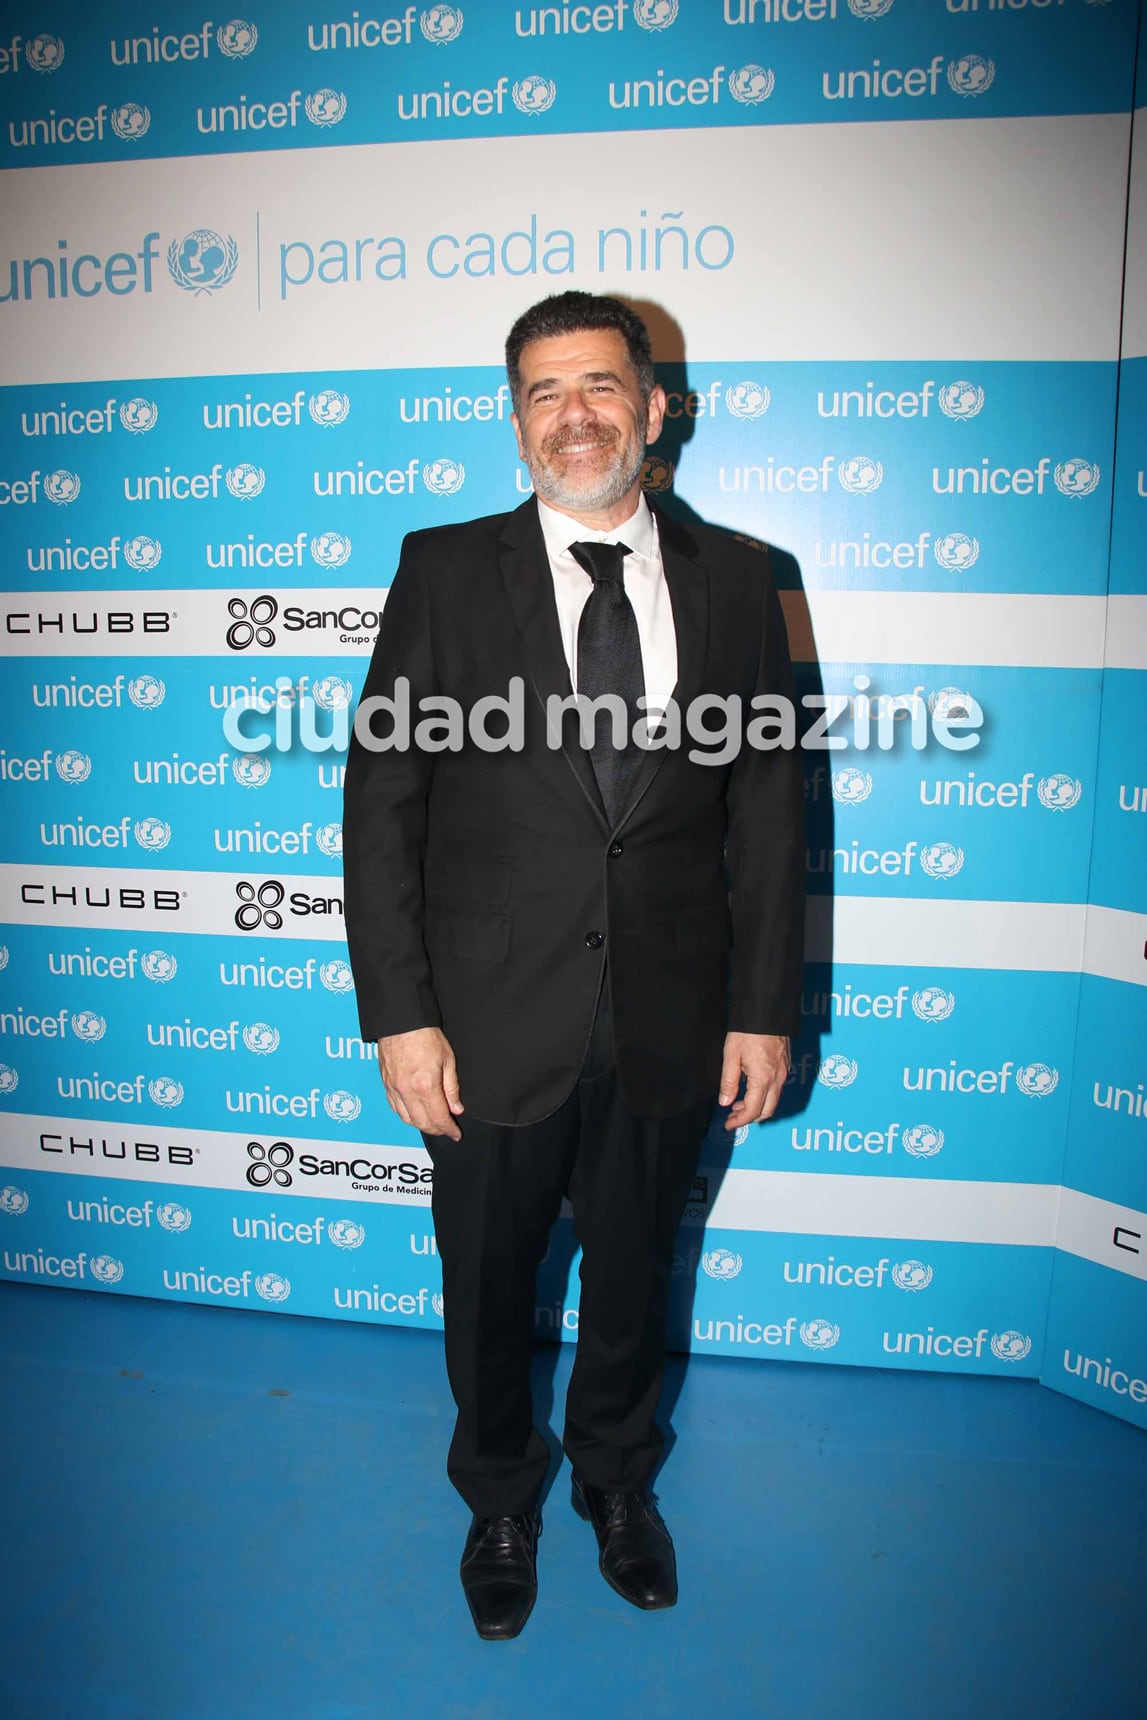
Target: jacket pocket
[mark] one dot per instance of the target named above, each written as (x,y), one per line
(484,880)
(474,934)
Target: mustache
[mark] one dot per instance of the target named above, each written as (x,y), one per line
(569,437)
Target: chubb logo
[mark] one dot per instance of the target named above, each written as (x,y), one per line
(62,487)
(1059,793)
(259,905)
(956,551)
(971,74)
(261,1038)
(138,414)
(1011,1346)
(345,1233)
(933,1003)
(860,475)
(269,1164)
(657,475)
(752,84)
(105,1268)
(850,786)
(13,1200)
(165,1091)
(441,24)
(330,549)
(325,107)
(251,770)
(237,39)
(941,860)
(534,95)
(158,966)
(748,399)
(869,8)
(143,553)
(44,53)
(922,1140)
(337,977)
(251,625)
(72,766)
(331,693)
(174,1217)
(89,1026)
(960,399)
(655,14)
(9,1079)
(722,1263)
(130,121)
(836,1070)
(819,1334)
(329,840)
(246,481)
(329,406)
(202,262)
(1037,1080)
(341,1106)
(444,477)
(911,1275)
(272,1286)
(152,833)
(1076,477)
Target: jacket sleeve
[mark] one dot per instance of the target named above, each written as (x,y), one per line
(765,854)
(384,822)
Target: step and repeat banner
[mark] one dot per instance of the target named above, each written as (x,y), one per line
(255,276)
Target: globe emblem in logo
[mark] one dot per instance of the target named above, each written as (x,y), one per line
(72,766)
(1059,793)
(956,551)
(654,14)
(138,414)
(331,693)
(341,1106)
(657,474)
(722,1263)
(850,786)
(329,406)
(960,399)
(1076,477)
(9,1078)
(143,553)
(325,107)
(752,84)
(236,39)
(444,477)
(346,1233)
(836,1070)
(203,261)
(911,1275)
(952,702)
(440,24)
(152,833)
(336,976)
(3,957)
(1037,1080)
(1011,1346)
(261,1038)
(89,1026)
(251,770)
(158,966)
(438,1303)
(269,1164)
(860,475)
(105,1268)
(62,487)
(329,840)
(971,74)
(130,121)
(259,907)
(146,692)
(534,95)
(330,549)
(165,1091)
(819,1334)
(748,399)
(245,481)
(869,8)
(923,1141)
(44,53)
(174,1217)
(933,1003)
(251,625)
(941,859)
(741,1135)
(273,1287)
(13,1200)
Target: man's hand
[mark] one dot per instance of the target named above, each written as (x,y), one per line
(421,1080)
(763,1059)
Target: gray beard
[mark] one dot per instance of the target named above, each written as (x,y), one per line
(604,493)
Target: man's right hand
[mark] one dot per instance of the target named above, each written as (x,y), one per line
(421,1080)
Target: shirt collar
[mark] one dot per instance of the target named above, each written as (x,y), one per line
(639,531)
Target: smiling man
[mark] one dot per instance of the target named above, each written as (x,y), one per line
(544,940)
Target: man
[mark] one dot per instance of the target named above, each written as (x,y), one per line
(543,939)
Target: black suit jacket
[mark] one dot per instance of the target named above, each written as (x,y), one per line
(484,891)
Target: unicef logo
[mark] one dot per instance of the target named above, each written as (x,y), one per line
(261,1039)
(245,481)
(534,95)
(923,1141)
(105,1268)
(273,1287)
(88,1026)
(438,1303)
(3,957)
(251,625)
(911,1275)
(752,84)
(44,53)
(143,553)
(933,1003)
(158,966)
(836,1070)
(1037,1080)
(138,414)
(325,107)
(329,406)
(331,693)
(654,14)
(202,262)
(1011,1346)
(1059,793)
(166,1092)
(952,702)
(850,786)
(860,475)
(72,766)
(956,551)
(336,976)
(722,1263)
(259,906)
(13,1200)
(869,8)
(971,74)
(330,549)
(819,1334)
(657,475)
(62,487)
(9,1078)
(741,1135)
(941,859)
(329,840)
(346,1233)
(269,1164)
(1076,477)
(440,24)
(251,770)
(152,833)
(444,477)
(174,1217)
(146,692)
(341,1106)
(748,399)
(237,39)
(960,399)
(130,121)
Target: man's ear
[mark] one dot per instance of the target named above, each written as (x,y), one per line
(655,413)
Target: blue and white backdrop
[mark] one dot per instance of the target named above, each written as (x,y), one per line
(254,278)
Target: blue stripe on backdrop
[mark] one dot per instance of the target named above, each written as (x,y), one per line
(1094,1347)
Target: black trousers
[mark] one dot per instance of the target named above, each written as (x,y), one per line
(497,1193)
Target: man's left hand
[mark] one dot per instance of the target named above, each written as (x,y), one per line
(763,1059)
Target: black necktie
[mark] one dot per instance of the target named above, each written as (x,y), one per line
(609,661)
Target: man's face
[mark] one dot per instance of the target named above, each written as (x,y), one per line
(581,426)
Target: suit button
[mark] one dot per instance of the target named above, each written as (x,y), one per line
(615,849)
(594,940)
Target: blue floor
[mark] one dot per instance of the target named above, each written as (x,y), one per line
(210,1515)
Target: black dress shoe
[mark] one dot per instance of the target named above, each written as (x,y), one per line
(499,1573)
(637,1557)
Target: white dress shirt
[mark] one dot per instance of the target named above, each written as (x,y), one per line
(645,587)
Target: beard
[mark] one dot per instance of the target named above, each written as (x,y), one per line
(599,482)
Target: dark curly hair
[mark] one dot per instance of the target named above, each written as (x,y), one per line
(571,313)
